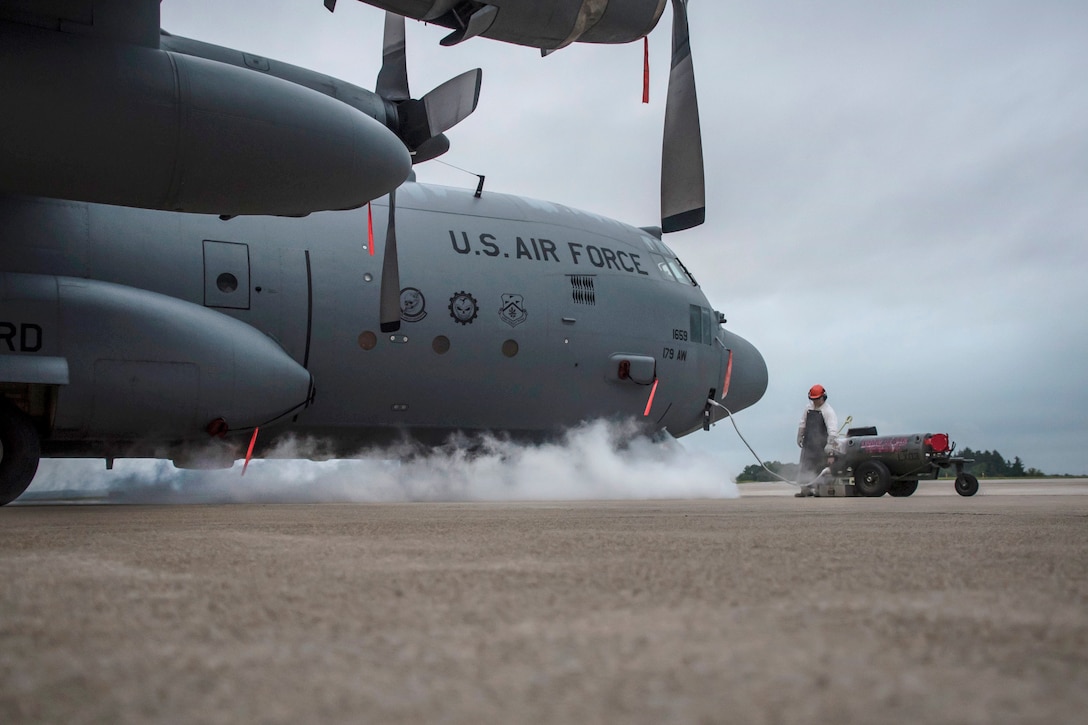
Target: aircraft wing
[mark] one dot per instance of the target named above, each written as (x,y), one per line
(124,21)
(545,25)
(103,113)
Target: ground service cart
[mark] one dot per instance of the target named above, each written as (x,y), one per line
(866,464)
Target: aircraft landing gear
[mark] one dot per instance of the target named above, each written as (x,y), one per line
(20,451)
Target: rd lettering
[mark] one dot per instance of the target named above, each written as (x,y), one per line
(20,337)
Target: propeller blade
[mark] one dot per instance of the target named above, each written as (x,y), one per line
(479,22)
(440,8)
(683,187)
(389,299)
(392,82)
(431,148)
(453,101)
(419,121)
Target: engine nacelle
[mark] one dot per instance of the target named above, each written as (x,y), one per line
(132,365)
(137,126)
(540,25)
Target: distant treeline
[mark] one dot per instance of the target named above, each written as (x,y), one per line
(755,472)
(994,465)
(987,464)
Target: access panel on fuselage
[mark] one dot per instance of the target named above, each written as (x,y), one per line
(226,275)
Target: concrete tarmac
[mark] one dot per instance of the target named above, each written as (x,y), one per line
(763,609)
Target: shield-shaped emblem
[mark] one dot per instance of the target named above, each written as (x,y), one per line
(513,311)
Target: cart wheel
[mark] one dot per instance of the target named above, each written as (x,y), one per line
(966,484)
(872,479)
(903,488)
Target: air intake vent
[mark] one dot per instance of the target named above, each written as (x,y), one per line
(581,289)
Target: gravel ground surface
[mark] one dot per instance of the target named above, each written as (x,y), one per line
(763,609)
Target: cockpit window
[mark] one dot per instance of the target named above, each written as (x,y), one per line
(678,271)
(687,273)
(662,267)
(668,265)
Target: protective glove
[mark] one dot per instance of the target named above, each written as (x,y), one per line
(800,440)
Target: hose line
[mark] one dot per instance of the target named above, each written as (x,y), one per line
(740,435)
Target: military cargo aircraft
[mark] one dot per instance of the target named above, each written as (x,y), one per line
(128,332)
(130,329)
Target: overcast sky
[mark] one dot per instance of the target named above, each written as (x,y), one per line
(897,190)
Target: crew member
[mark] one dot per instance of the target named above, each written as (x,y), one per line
(819,427)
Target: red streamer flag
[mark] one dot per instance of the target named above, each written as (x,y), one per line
(249,453)
(645,69)
(650,402)
(369,230)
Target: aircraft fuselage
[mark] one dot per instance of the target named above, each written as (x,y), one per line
(517,316)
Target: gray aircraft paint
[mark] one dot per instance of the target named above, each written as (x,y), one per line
(313,287)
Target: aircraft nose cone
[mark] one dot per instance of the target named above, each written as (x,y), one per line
(748,381)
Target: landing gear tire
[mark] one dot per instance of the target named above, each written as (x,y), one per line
(903,488)
(20,451)
(966,484)
(872,479)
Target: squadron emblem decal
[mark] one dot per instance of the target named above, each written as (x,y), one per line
(513,311)
(463,307)
(413,306)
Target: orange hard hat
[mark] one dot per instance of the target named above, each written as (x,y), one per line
(816,392)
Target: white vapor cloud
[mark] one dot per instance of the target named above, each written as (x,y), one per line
(593,461)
